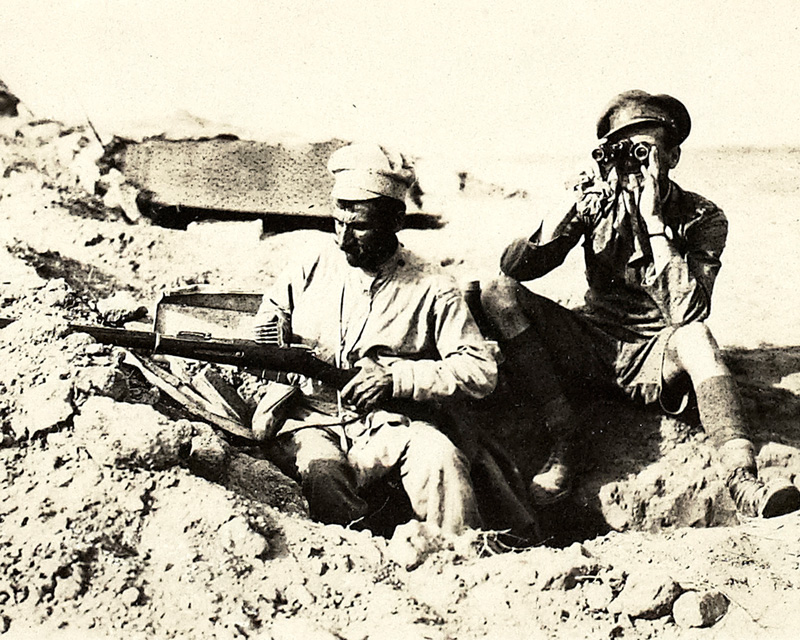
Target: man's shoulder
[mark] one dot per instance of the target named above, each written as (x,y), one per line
(414,268)
(411,261)
(321,255)
(693,205)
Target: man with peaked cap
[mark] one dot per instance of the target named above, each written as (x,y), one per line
(652,253)
(370,303)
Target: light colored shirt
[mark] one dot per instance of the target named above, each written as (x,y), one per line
(408,316)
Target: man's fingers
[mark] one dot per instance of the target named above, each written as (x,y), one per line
(368,399)
(363,402)
(369,385)
(613,178)
(355,390)
(653,163)
(347,390)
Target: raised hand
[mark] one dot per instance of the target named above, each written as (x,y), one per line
(650,193)
(594,188)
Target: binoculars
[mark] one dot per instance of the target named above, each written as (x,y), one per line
(627,157)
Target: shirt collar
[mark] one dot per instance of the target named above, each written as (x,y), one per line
(670,205)
(668,193)
(373,280)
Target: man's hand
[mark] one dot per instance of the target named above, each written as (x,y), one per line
(650,194)
(595,186)
(371,384)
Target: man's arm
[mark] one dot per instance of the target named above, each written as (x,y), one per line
(274,316)
(681,277)
(531,258)
(272,324)
(467,363)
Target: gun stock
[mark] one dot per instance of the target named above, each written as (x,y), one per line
(242,353)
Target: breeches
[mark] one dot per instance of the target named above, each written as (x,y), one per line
(434,473)
(584,355)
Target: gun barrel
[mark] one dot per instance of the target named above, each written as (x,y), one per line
(119,337)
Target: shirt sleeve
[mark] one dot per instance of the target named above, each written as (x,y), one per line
(528,258)
(467,363)
(682,288)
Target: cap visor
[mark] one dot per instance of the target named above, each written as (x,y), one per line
(632,123)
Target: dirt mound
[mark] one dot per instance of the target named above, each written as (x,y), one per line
(121,516)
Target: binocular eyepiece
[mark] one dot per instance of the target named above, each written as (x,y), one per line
(626,155)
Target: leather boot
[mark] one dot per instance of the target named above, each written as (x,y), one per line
(753,498)
(554,480)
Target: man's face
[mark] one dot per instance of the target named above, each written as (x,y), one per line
(366,236)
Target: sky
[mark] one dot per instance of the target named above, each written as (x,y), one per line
(501,79)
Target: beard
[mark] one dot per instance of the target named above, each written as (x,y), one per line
(370,257)
(355,257)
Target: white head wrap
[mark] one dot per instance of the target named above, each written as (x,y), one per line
(366,171)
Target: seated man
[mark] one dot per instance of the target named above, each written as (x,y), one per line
(374,305)
(652,253)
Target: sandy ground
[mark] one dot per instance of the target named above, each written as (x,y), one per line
(110,525)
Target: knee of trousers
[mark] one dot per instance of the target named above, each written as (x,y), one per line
(693,339)
(501,304)
(431,454)
(330,488)
(505,297)
(499,294)
(436,478)
(697,349)
(309,446)
(692,334)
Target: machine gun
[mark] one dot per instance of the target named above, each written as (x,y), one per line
(201,346)
(241,353)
